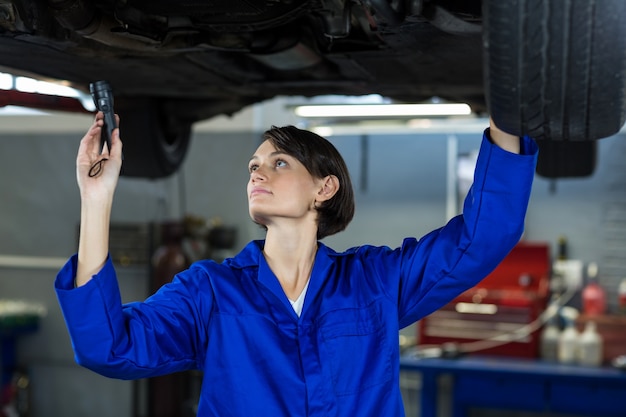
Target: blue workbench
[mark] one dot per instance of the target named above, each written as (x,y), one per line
(520,384)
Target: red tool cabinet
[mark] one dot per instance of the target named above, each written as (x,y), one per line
(512,296)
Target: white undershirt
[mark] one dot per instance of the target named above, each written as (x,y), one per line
(299,303)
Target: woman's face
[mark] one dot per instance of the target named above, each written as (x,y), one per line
(280,187)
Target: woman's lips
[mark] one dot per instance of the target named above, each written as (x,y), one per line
(258,191)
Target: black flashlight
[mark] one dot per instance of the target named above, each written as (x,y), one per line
(103,99)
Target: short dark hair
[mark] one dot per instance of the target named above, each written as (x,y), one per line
(321,159)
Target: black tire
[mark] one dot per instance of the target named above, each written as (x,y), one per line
(559,159)
(556,70)
(155,142)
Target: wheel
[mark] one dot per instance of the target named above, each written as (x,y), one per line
(559,159)
(155,142)
(556,71)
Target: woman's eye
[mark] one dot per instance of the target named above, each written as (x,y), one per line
(252,168)
(281,163)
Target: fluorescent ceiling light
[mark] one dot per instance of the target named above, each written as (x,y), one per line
(20,111)
(31,85)
(6,81)
(384,110)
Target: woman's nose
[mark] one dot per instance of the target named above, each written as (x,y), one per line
(257,175)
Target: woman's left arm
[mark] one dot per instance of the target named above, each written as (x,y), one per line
(504,140)
(446,262)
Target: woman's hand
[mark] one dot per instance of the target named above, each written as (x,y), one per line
(504,140)
(96,192)
(97,173)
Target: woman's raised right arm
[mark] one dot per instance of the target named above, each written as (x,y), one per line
(97,186)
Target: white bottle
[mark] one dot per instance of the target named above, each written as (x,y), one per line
(568,344)
(549,342)
(590,346)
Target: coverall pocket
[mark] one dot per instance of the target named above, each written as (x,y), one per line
(356,348)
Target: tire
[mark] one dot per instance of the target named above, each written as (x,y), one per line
(155,143)
(556,71)
(559,159)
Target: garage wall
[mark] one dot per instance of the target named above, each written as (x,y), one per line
(400,185)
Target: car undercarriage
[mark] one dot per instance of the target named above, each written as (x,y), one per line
(174,63)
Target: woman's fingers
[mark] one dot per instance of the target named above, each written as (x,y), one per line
(116,144)
(95,157)
(90,144)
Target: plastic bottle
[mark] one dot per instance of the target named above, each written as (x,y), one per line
(562,248)
(568,343)
(549,341)
(590,346)
(593,295)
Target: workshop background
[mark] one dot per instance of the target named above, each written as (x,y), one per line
(401,179)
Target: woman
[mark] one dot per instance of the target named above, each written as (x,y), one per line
(289,327)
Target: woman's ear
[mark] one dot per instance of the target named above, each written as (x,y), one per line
(329,187)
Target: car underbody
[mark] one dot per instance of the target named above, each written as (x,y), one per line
(221,56)
(192,60)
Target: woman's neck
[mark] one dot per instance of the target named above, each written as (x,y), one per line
(291,258)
